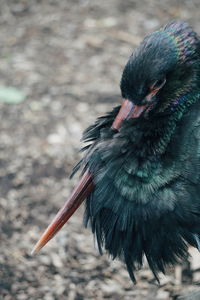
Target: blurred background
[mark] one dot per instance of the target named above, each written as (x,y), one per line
(60,67)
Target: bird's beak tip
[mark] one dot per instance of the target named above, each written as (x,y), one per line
(35,250)
(79,194)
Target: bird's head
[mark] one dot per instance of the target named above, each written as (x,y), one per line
(160,72)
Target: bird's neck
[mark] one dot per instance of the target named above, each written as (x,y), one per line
(178,109)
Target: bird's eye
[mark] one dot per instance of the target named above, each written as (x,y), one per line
(158,84)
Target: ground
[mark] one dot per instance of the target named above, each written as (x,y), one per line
(67,57)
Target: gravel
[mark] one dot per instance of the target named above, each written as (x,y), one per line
(67,57)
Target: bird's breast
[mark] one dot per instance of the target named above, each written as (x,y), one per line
(122,176)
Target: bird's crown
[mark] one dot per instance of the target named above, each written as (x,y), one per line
(184,39)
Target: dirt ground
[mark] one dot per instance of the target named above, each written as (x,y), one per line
(67,56)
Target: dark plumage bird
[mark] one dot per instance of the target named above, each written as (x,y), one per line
(141,169)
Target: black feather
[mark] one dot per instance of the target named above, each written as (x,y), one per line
(147,175)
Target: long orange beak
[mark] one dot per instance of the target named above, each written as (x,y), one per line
(84,188)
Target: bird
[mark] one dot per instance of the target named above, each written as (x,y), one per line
(140,169)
